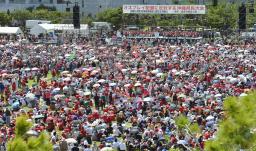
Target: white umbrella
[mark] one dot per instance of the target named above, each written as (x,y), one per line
(56,89)
(177,73)
(65,88)
(30,96)
(174,70)
(67,79)
(94,72)
(65,72)
(154,71)
(240,56)
(183,72)
(27,69)
(59,96)
(182,96)
(102,48)
(71,141)
(102,81)
(209,118)
(243,94)
(5,75)
(173,46)
(67,55)
(182,142)
(32,133)
(80,92)
(218,95)
(217,76)
(112,84)
(96,85)
(137,84)
(14,58)
(127,85)
(148,99)
(38,116)
(222,78)
(159,61)
(134,72)
(107,149)
(93,58)
(159,74)
(87,93)
(124,70)
(35,69)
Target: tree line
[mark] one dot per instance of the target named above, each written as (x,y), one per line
(223,16)
(19,17)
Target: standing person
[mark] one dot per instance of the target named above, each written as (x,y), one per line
(122,146)
(75,148)
(1,87)
(7,116)
(2,143)
(103,101)
(47,97)
(63,145)
(95,147)
(111,98)
(96,101)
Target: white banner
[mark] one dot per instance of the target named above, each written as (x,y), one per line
(164,9)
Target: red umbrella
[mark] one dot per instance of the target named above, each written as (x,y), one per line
(49,119)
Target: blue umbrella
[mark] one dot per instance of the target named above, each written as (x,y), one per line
(110,139)
(215,81)
(15,105)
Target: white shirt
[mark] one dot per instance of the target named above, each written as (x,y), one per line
(85,142)
(87,149)
(122,146)
(115,145)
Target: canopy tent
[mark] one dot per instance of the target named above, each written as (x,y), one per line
(68,28)
(31,23)
(10,30)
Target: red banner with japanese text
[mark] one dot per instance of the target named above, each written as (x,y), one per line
(164,9)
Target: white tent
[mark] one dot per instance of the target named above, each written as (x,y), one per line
(68,28)
(10,30)
(31,23)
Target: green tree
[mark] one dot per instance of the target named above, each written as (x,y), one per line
(40,14)
(251,19)
(23,142)
(87,20)
(222,16)
(40,7)
(113,16)
(5,19)
(21,16)
(237,130)
(185,126)
(53,16)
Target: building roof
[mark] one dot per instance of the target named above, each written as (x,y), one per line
(61,26)
(10,30)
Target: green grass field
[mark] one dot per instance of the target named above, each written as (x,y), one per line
(32,82)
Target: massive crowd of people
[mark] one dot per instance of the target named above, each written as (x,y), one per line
(98,97)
